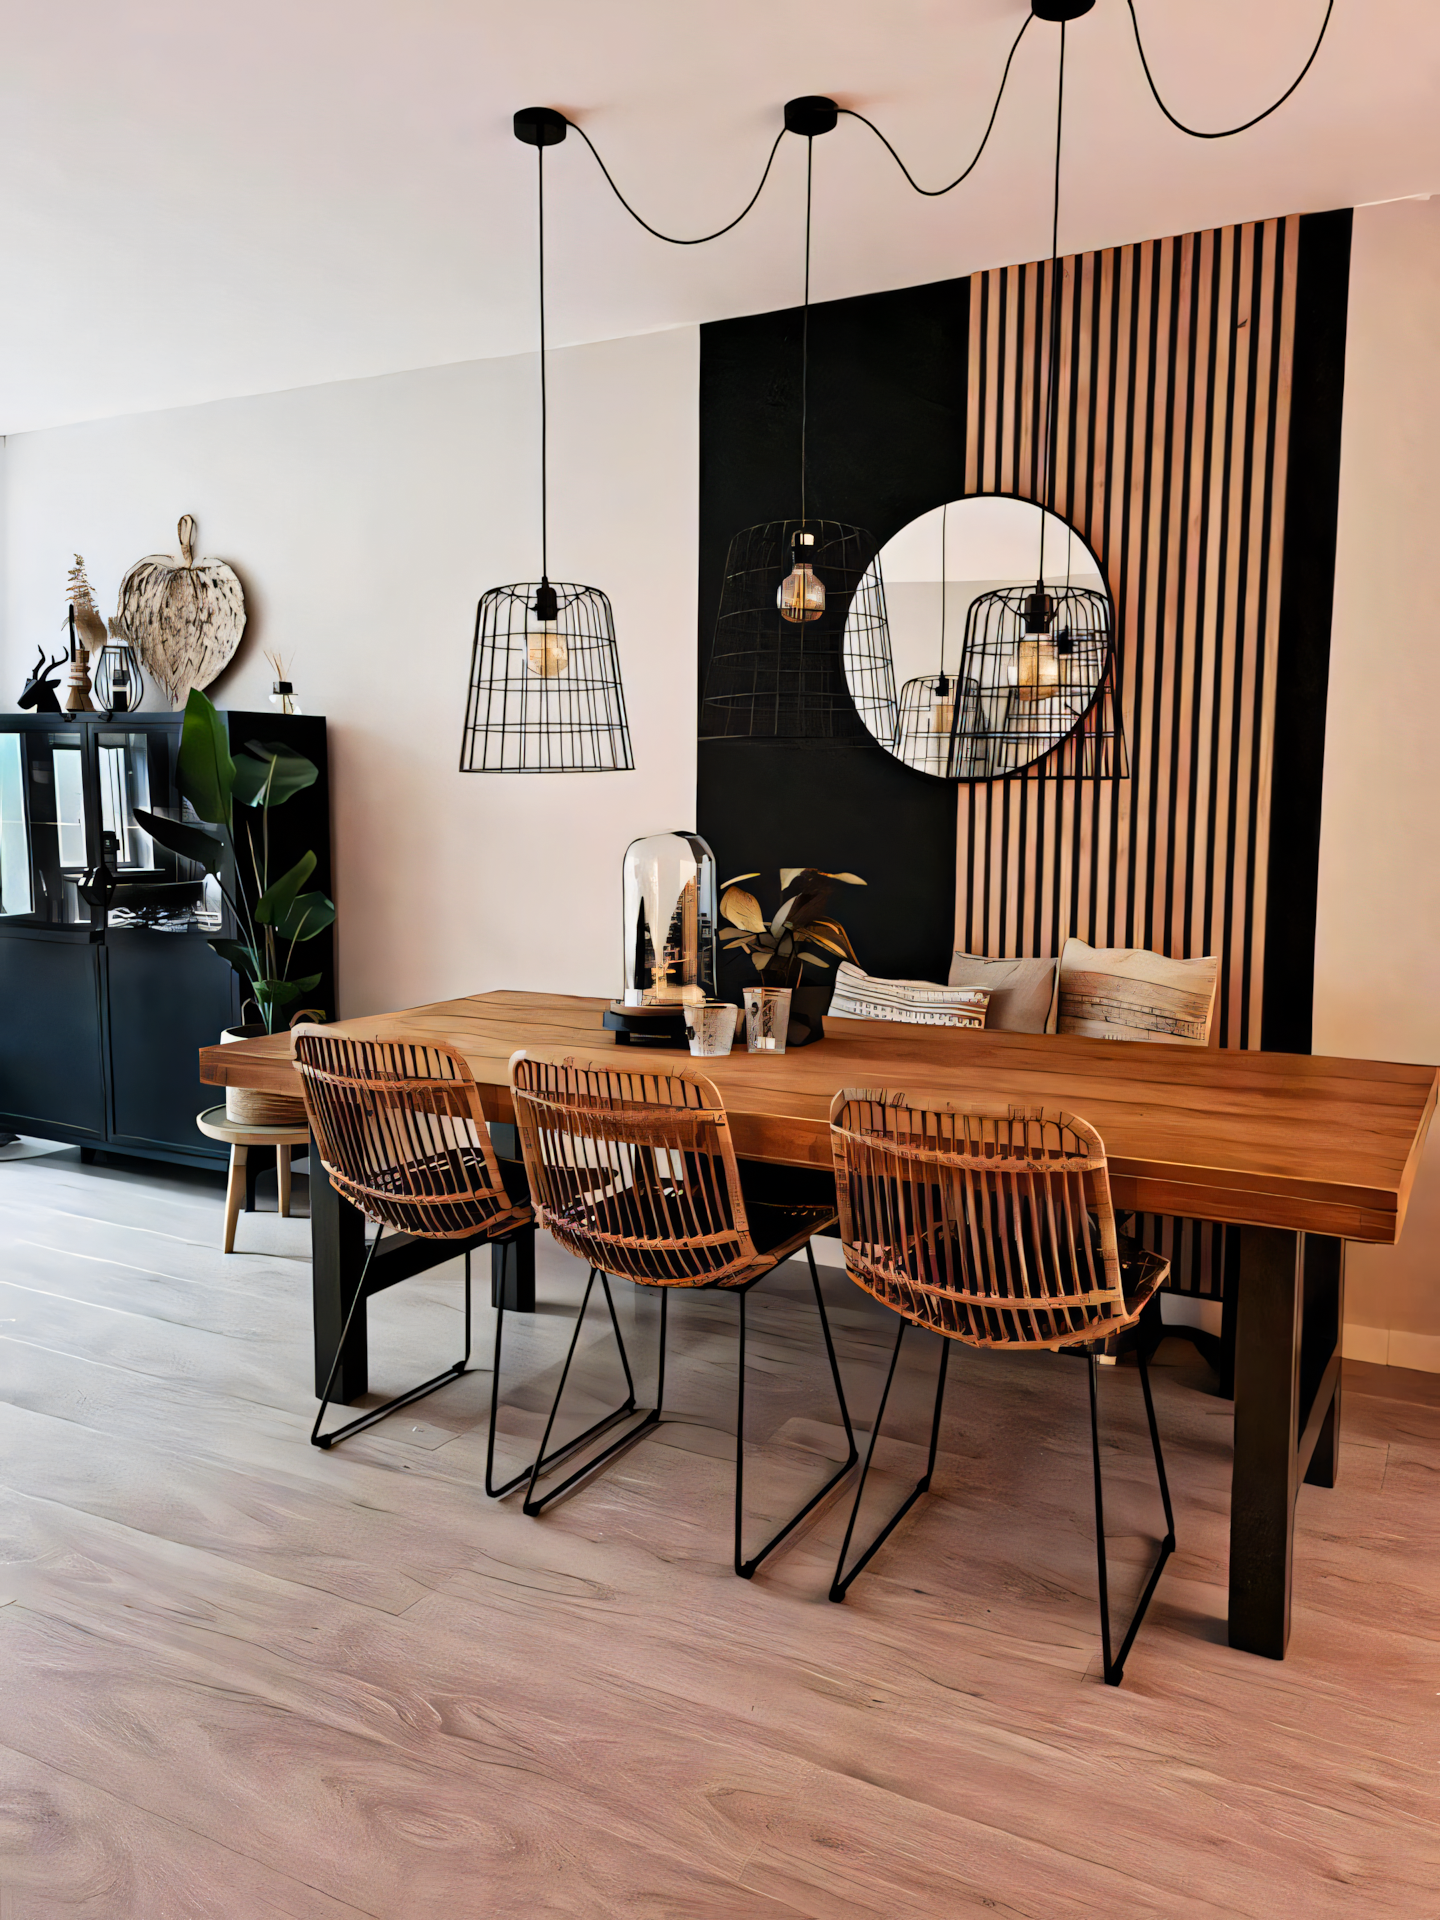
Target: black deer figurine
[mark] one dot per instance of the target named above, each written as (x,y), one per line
(39,694)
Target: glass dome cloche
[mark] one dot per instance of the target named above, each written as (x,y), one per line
(669,892)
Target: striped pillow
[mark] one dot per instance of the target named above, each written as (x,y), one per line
(1125,993)
(921,1003)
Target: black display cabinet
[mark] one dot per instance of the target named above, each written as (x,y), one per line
(102,1014)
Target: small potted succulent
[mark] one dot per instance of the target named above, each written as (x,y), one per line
(783,947)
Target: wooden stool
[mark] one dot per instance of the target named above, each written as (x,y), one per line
(240,1138)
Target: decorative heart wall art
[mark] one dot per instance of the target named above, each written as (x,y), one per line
(185,618)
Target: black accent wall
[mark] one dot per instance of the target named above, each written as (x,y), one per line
(1307,596)
(886,442)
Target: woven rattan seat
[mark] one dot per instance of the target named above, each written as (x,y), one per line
(991,1225)
(634,1172)
(400,1133)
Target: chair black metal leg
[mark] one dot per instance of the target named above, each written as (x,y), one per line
(1115,1666)
(840,1585)
(746,1568)
(544,1460)
(327,1440)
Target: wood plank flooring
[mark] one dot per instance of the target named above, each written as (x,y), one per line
(243,1678)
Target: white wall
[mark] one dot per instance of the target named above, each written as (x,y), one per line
(365,518)
(1377,962)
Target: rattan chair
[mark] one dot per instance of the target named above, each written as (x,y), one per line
(400,1132)
(634,1172)
(994,1226)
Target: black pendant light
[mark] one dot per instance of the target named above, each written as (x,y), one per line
(802,645)
(1036,665)
(545,693)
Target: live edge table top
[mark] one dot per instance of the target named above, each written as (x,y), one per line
(1268,1139)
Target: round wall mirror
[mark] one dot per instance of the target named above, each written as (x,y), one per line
(1000,627)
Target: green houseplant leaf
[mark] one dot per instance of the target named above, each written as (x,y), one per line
(278,898)
(279,993)
(244,959)
(268,774)
(204,772)
(308,914)
(189,842)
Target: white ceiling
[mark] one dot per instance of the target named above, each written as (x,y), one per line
(200,200)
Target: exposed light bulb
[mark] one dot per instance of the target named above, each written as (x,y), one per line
(1036,667)
(545,650)
(942,710)
(802,594)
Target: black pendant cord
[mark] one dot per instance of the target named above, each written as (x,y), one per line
(944,511)
(935,193)
(930,193)
(805,329)
(544,410)
(1052,418)
(670,239)
(1226,133)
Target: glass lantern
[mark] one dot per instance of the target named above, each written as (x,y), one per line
(669,890)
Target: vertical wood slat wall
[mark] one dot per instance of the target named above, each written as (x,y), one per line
(1173,400)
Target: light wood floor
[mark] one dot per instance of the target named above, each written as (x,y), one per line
(242,1678)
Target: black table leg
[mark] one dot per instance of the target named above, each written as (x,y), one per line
(1267,1410)
(1288,1312)
(1320,1361)
(337,1255)
(512,1273)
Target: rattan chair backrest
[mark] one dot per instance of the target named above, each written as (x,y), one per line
(634,1171)
(401,1134)
(992,1224)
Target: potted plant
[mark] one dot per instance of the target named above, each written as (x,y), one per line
(783,947)
(272,916)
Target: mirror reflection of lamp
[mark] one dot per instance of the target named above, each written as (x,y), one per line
(1035,670)
(802,592)
(546,653)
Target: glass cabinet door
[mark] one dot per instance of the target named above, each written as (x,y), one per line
(43,828)
(155,888)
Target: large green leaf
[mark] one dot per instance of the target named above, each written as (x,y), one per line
(267,774)
(205,773)
(279,993)
(278,898)
(244,959)
(309,914)
(189,842)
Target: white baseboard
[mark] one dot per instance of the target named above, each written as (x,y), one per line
(1392,1347)
(1188,1310)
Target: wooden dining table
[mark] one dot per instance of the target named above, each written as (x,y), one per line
(1301,1153)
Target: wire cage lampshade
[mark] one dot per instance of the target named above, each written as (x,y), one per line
(1034,692)
(545,694)
(824,681)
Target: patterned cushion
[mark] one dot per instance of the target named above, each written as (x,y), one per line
(1021,991)
(924,1003)
(1125,993)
